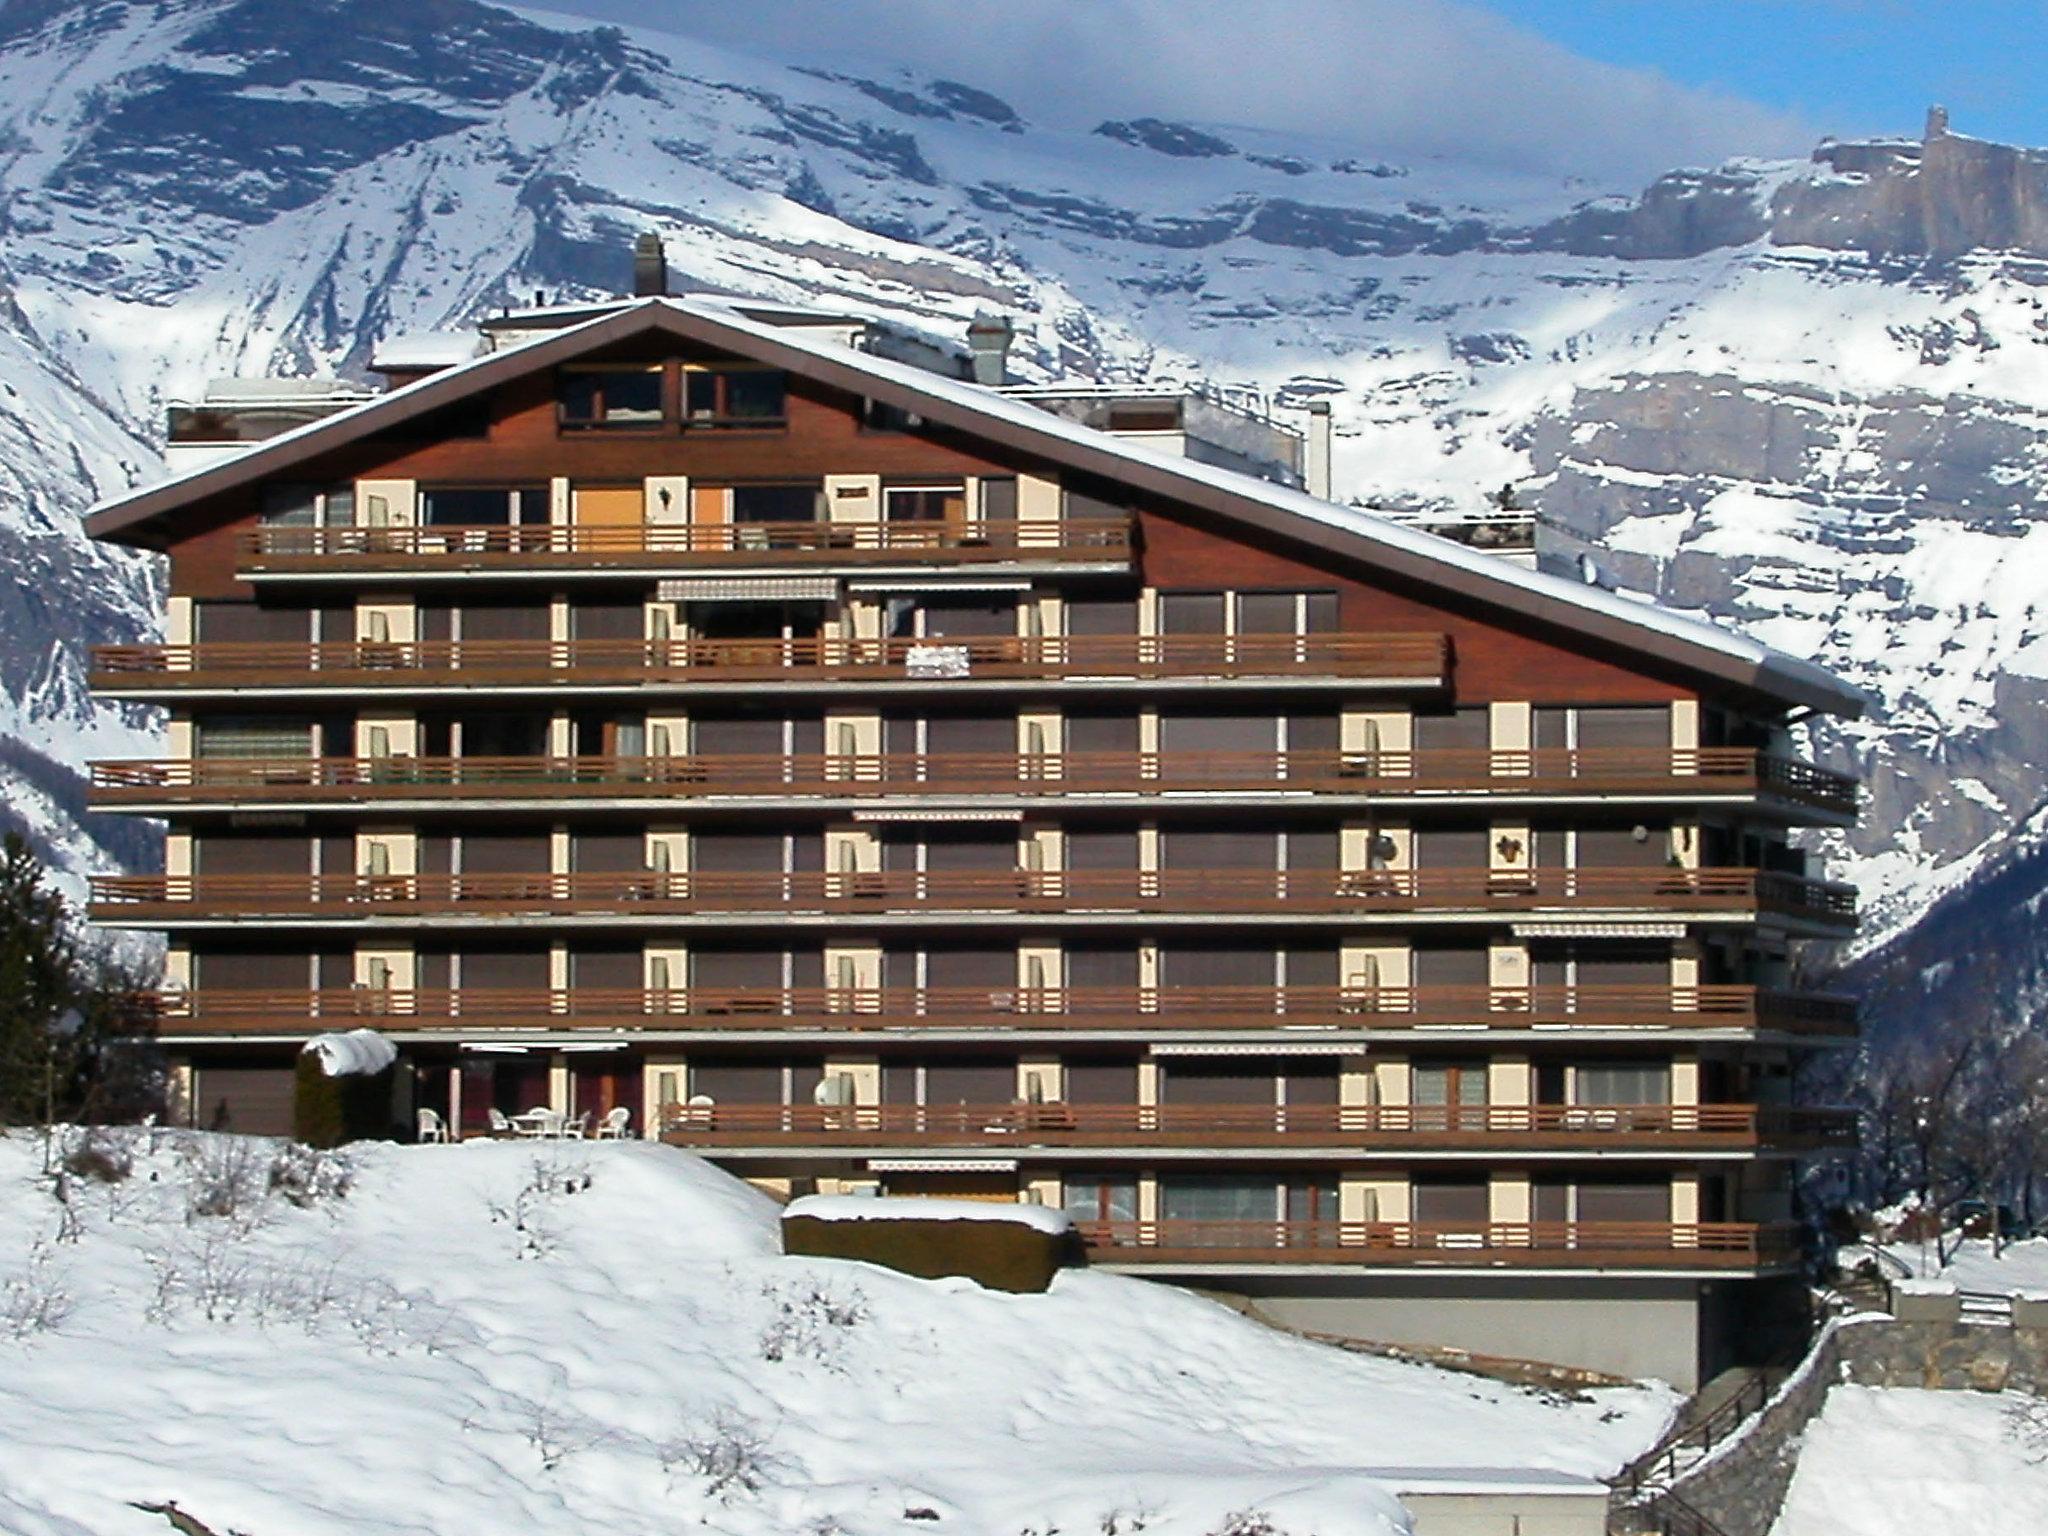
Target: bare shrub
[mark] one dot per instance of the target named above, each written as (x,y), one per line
(2026,1424)
(730,1451)
(100,1155)
(1248,1522)
(556,1432)
(34,1301)
(532,1214)
(225,1176)
(811,1320)
(306,1175)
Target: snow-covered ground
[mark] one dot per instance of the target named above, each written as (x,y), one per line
(607,1338)
(2020,1267)
(1902,1462)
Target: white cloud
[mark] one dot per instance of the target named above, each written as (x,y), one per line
(1396,77)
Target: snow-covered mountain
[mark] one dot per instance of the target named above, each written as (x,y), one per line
(1806,398)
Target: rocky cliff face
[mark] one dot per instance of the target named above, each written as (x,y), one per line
(1805,398)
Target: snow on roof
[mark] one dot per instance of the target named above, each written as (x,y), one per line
(351,1053)
(424,349)
(1508,585)
(1536,1482)
(926,1208)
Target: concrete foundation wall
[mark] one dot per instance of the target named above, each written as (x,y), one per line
(1627,1328)
(1506,1514)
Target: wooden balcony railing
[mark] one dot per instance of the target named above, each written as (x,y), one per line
(1537,1127)
(1236,893)
(354,780)
(1483,1244)
(833,1010)
(1397,659)
(302,550)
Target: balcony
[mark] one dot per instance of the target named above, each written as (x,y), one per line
(1568,1128)
(1239,894)
(1714,773)
(1138,1013)
(241,669)
(523,549)
(1593,1245)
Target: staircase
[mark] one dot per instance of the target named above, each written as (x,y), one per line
(1644,1503)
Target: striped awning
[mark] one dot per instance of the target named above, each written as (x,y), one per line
(1565,928)
(748,589)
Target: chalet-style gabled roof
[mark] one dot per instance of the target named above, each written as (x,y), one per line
(1250,503)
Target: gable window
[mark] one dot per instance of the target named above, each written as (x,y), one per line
(735,397)
(309,506)
(609,397)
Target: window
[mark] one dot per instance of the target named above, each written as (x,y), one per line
(609,397)
(1622,1082)
(1222,1198)
(1443,1093)
(309,506)
(1101,1197)
(737,397)
(778,503)
(924,504)
(246,736)
(483,506)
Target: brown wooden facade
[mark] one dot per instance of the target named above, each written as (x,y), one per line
(929,810)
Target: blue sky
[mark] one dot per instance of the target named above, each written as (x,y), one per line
(1844,66)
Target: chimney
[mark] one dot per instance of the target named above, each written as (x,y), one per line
(650,268)
(988,347)
(1315,469)
(1937,123)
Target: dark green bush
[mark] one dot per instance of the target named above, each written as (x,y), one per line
(1002,1255)
(328,1111)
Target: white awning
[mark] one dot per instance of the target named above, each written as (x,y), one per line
(925,584)
(942,1165)
(748,589)
(1257,1048)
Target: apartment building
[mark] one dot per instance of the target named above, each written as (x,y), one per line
(880,783)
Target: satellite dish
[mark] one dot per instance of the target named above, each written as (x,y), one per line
(835,1089)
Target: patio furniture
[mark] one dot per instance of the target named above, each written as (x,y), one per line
(613,1126)
(500,1125)
(431,1126)
(575,1127)
(538,1123)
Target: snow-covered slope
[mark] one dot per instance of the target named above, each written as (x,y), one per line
(606,1337)
(1807,399)
(1902,1462)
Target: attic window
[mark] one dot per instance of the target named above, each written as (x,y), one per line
(609,397)
(735,397)
(884,417)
